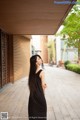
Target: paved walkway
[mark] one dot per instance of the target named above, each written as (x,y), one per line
(62,96)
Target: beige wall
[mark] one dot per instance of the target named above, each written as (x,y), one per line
(21,52)
(44,49)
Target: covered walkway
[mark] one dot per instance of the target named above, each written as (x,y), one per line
(62,95)
(19,20)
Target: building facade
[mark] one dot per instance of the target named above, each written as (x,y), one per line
(14,57)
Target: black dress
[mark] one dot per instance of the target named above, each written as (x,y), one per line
(37,107)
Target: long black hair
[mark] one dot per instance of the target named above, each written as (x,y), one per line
(32,72)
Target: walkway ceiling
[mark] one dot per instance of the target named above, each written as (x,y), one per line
(32,16)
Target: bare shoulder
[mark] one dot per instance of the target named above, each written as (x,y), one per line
(41,74)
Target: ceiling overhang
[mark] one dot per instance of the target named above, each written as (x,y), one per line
(32,16)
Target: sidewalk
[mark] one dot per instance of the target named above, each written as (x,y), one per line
(62,96)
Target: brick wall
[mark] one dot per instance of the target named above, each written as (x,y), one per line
(21,52)
(44,49)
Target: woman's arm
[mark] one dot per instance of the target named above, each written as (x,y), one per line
(43,80)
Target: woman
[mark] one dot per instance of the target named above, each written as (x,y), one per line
(37,108)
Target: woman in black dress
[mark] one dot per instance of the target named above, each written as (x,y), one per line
(37,107)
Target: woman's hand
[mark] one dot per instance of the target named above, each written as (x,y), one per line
(44,86)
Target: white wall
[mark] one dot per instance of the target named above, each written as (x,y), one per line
(36,41)
(58,49)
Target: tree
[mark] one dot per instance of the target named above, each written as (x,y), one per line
(71,28)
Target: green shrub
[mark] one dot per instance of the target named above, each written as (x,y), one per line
(74,67)
(66,63)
